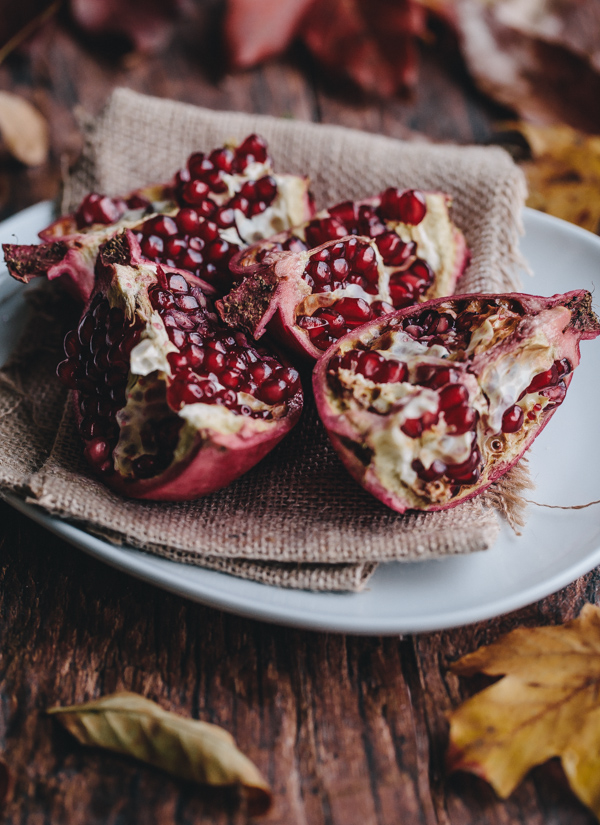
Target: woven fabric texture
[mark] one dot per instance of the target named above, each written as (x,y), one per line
(297,519)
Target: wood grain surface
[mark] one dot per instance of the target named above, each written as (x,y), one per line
(348,730)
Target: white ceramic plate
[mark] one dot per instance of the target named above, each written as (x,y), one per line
(555,548)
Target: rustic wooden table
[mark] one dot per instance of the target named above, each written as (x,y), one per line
(348,730)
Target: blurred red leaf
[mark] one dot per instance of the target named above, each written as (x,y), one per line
(371,41)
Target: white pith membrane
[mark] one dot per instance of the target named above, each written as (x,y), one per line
(377,411)
(151,373)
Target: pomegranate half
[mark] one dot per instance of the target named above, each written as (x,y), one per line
(171,404)
(431,404)
(216,205)
(350,264)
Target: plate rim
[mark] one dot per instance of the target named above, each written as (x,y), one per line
(166,574)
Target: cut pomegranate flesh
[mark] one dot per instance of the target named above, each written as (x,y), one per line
(358,260)
(170,404)
(433,403)
(216,205)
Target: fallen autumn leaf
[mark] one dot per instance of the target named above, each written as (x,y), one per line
(23,129)
(129,724)
(564,173)
(547,704)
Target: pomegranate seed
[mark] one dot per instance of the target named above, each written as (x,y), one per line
(67,373)
(218,251)
(319,271)
(413,427)
(408,206)
(512,420)
(72,345)
(191,260)
(224,217)
(421,272)
(354,309)
(365,258)
(259,371)
(391,372)
(226,398)
(253,145)
(345,213)
(455,471)
(435,471)
(314,326)
(174,247)
(453,395)
(542,380)
(137,202)
(291,377)
(98,451)
(369,363)
(194,355)
(340,268)
(153,247)
(273,390)
(336,325)
(350,360)
(400,292)
(160,298)
(187,221)
(461,418)
(379,308)
(178,283)
(266,188)
(230,378)
(295,245)
(222,159)
(241,203)
(195,191)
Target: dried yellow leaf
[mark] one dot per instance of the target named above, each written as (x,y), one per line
(564,173)
(129,724)
(23,129)
(547,704)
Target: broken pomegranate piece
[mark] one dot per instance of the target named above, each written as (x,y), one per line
(216,205)
(171,404)
(431,404)
(348,265)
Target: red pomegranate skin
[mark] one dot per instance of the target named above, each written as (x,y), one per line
(524,358)
(273,202)
(275,277)
(180,464)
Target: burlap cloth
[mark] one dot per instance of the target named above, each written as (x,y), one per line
(297,519)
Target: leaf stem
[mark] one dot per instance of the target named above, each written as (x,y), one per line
(22,35)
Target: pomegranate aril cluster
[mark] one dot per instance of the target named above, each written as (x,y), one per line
(97,366)
(214,364)
(204,177)
(412,276)
(191,241)
(333,268)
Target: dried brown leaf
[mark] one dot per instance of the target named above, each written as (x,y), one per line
(564,173)
(546,705)
(194,751)
(540,57)
(23,129)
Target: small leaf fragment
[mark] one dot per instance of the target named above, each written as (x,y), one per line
(547,704)
(188,749)
(23,129)
(564,173)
